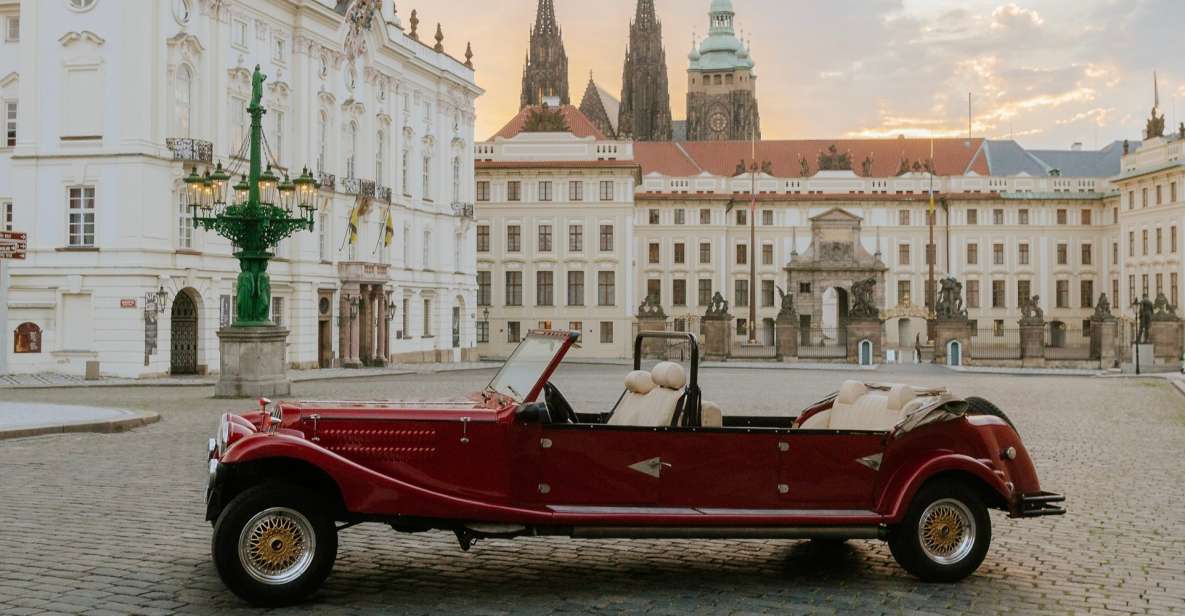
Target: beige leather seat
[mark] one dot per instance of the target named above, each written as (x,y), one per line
(656,407)
(711,415)
(637,384)
(857,407)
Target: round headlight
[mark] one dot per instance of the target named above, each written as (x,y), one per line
(223,435)
(1010,453)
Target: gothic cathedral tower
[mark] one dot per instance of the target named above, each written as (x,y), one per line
(546,70)
(645,100)
(721,86)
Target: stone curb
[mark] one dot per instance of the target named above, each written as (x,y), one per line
(106,426)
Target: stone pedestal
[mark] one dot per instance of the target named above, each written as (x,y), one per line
(716,337)
(1103,335)
(653,347)
(1165,335)
(786,337)
(946,331)
(254,362)
(865,329)
(1143,360)
(1032,344)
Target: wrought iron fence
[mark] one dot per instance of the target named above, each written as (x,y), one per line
(823,343)
(464,210)
(995,343)
(191,150)
(358,186)
(671,350)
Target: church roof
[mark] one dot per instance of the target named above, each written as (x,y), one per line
(578,123)
(952,157)
(611,104)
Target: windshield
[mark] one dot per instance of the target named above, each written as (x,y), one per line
(521,372)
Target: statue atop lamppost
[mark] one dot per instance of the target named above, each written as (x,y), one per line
(263,210)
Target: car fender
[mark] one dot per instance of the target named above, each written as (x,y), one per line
(365,491)
(908,478)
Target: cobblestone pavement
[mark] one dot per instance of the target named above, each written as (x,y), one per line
(113,523)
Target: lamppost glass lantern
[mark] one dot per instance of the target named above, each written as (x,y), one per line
(207,197)
(267,187)
(193,191)
(242,191)
(306,188)
(287,192)
(221,180)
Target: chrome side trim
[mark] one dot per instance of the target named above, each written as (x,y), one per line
(773,532)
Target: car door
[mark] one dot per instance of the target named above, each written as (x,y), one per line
(719,469)
(598,465)
(825,469)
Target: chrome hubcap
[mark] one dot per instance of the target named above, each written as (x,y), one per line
(277,545)
(946,531)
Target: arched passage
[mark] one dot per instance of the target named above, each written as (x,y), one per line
(183,357)
(835,310)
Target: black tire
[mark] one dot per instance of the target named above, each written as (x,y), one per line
(289,513)
(941,501)
(981,406)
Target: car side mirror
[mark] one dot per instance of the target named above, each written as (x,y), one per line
(535,412)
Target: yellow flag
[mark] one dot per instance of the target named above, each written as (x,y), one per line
(388,230)
(354,214)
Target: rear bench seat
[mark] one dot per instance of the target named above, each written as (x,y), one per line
(651,397)
(859,408)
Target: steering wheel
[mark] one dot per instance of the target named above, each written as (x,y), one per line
(557,405)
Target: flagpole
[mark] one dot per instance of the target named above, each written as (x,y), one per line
(753,236)
(931,253)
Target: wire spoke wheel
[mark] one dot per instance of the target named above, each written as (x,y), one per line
(946,531)
(277,545)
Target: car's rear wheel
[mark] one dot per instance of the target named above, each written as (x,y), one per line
(945,534)
(274,544)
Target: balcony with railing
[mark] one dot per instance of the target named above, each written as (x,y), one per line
(382,193)
(464,210)
(358,186)
(328,181)
(191,150)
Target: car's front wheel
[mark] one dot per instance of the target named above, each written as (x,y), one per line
(945,534)
(274,545)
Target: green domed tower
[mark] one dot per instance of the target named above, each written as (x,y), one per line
(721,84)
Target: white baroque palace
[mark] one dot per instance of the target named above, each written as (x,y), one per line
(1011,223)
(109,103)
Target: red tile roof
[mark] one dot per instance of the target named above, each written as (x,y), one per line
(688,158)
(578,123)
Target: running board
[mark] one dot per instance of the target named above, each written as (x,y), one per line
(724,532)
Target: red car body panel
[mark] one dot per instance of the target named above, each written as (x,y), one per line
(474,460)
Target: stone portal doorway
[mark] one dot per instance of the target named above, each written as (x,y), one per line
(324,332)
(835,308)
(183,355)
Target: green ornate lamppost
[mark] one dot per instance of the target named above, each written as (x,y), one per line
(263,210)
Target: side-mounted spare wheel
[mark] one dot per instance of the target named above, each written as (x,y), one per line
(945,534)
(274,544)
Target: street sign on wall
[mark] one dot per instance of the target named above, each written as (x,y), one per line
(13,244)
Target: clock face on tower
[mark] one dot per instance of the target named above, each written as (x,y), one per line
(718,122)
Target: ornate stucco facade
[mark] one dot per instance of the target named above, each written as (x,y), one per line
(118,100)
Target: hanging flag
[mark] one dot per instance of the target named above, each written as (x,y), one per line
(355,214)
(388,230)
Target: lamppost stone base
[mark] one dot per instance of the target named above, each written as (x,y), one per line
(254,362)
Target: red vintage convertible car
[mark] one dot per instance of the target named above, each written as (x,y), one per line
(916,467)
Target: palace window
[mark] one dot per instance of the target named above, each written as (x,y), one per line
(1145,241)
(1087,254)
(680,216)
(1023,217)
(972,217)
(351,149)
(767,293)
(12,31)
(903,254)
(81,219)
(1159,240)
(184,227)
(575,190)
(705,216)
(1173,239)
(483,190)
(278,311)
(705,252)
(972,254)
(576,288)
(606,289)
(997,217)
(456,178)
(1144,283)
(653,253)
(514,288)
(1063,294)
(1159,283)
(1131,244)
(513,332)
(323,229)
(704,292)
(1143,197)
(544,287)
(606,332)
(742,217)
(483,332)
(514,238)
(741,296)
(484,288)
(997,254)
(973,294)
(1174,291)
(742,254)
(575,238)
(182,103)
(1159,194)
(767,217)
(1024,290)
(767,254)
(652,216)
(405,172)
(903,292)
(545,190)
(1086,218)
(483,238)
(1172,192)
(514,190)
(606,238)
(679,292)
(1063,257)
(544,238)
(380,143)
(1062,217)
(680,253)
(1086,293)
(426,180)
(654,289)
(606,190)
(998,294)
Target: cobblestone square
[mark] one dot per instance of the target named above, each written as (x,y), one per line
(112,523)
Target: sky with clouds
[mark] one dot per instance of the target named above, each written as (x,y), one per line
(1045,72)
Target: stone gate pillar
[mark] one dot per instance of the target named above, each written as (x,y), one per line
(1032,343)
(948,330)
(786,336)
(1103,339)
(1165,333)
(859,329)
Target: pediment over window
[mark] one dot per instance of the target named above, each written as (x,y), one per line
(187,42)
(85,36)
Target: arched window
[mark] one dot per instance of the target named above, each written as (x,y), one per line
(427,250)
(404,162)
(352,151)
(378,157)
(182,101)
(322,134)
(427,194)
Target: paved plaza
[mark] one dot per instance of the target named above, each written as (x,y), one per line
(112,523)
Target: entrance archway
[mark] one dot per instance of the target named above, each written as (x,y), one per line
(835,309)
(183,358)
(954,353)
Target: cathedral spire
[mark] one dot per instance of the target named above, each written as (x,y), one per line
(546,70)
(645,113)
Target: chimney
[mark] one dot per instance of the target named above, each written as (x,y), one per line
(1077,147)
